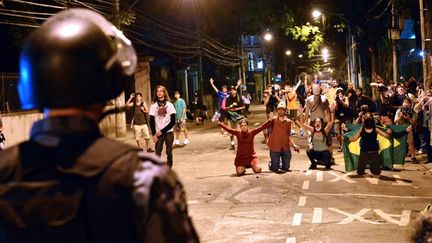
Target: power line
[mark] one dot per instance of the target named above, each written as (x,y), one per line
(37,4)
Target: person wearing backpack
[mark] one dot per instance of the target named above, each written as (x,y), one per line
(319,146)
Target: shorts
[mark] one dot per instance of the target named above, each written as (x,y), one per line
(180,126)
(141,131)
(292,114)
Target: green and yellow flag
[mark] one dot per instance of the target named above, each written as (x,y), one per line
(391,151)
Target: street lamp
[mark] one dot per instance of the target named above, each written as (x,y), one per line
(300,55)
(267,37)
(287,54)
(316,14)
(349,48)
(325,54)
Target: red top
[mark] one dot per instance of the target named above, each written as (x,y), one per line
(246,155)
(279,138)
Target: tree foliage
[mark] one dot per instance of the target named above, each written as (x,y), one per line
(307,33)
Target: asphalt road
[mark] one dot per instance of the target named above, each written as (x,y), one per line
(298,206)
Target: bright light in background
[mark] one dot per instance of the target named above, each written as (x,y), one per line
(316,14)
(412,37)
(421,53)
(300,56)
(325,54)
(288,53)
(268,36)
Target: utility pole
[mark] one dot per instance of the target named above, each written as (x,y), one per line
(394,32)
(120,118)
(244,62)
(425,50)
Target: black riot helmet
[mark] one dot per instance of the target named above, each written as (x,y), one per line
(75,58)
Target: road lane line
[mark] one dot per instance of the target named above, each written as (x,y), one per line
(319,176)
(372,180)
(317,216)
(305,185)
(309,172)
(366,195)
(297,219)
(291,240)
(404,217)
(341,177)
(190,202)
(399,181)
(302,201)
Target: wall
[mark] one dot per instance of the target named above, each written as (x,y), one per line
(17,126)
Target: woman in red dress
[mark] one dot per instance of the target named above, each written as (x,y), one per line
(246,156)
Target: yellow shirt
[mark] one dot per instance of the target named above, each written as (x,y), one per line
(331,94)
(292,101)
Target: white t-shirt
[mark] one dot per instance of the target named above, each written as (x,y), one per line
(162,115)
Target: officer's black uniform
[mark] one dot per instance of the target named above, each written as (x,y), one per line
(68,183)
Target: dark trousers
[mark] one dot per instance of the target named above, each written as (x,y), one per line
(168,139)
(315,156)
(426,143)
(373,158)
(283,157)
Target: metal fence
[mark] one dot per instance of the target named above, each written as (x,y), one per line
(9,100)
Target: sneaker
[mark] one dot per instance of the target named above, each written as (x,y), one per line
(150,150)
(414,160)
(232,147)
(339,149)
(301,132)
(420,151)
(312,167)
(176,142)
(293,133)
(186,142)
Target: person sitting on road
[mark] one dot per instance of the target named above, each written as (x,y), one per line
(280,141)
(319,148)
(369,146)
(246,156)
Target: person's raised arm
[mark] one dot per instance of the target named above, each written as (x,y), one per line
(382,133)
(212,84)
(238,83)
(304,125)
(328,126)
(128,102)
(226,128)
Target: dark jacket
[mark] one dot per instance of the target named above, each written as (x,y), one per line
(70,184)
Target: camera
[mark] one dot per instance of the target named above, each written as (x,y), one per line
(406,111)
(381,88)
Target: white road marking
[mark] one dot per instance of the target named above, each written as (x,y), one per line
(306,185)
(399,181)
(404,217)
(190,202)
(302,201)
(297,219)
(366,195)
(308,173)
(319,176)
(351,217)
(341,177)
(317,216)
(291,240)
(372,180)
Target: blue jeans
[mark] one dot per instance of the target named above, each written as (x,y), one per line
(277,157)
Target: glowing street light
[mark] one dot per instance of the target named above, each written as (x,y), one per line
(325,54)
(268,37)
(288,53)
(316,14)
(300,56)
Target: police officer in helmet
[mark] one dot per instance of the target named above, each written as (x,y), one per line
(68,183)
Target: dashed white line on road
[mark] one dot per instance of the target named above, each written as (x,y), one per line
(399,181)
(190,202)
(297,219)
(372,180)
(305,185)
(319,176)
(302,201)
(291,240)
(366,195)
(342,177)
(317,216)
(309,172)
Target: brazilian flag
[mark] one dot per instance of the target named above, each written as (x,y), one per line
(391,150)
